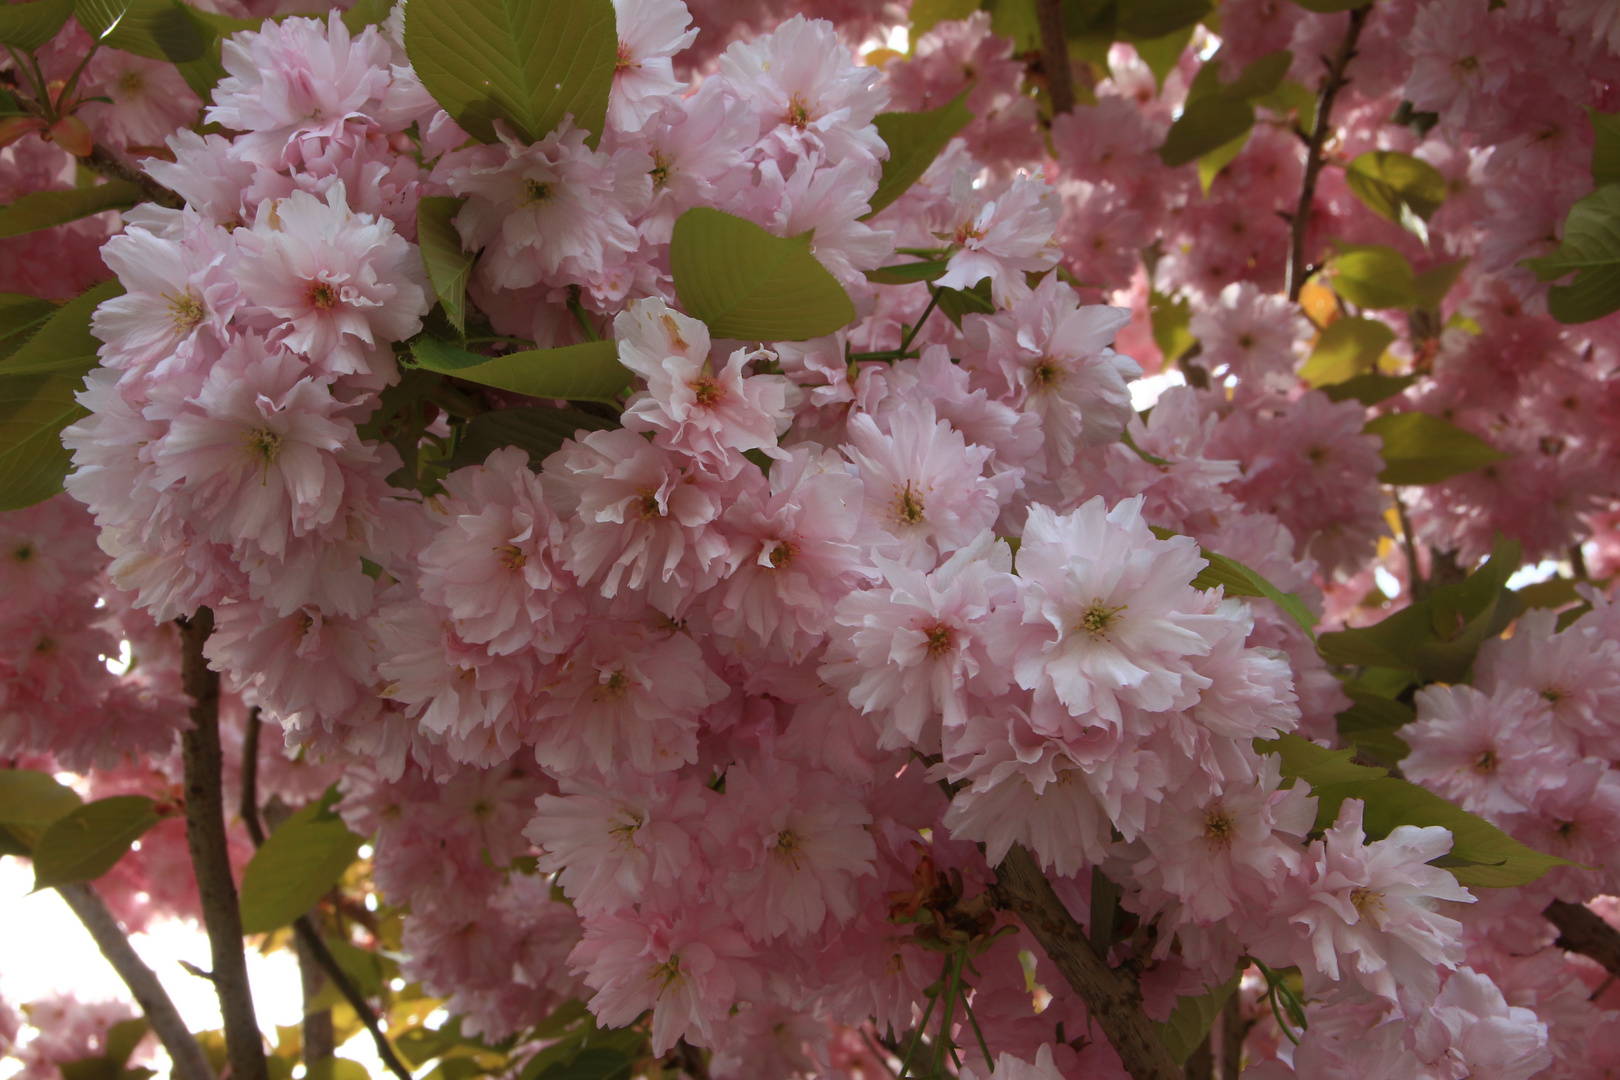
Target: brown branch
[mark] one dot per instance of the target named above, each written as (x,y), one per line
(1234,1029)
(1055,55)
(1331,85)
(311,946)
(103,161)
(190,1063)
(1111,1000)
(210,852)
(1582,930)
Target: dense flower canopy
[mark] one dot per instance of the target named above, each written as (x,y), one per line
(711,544)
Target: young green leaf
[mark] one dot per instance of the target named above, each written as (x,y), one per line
(63,344)
(1204,126)
(1239,580)
(43,209)
(1171,320)
(1162,54)
(1347,348)
(1302,759)
(28,26)
(20,316)
(1259,77)
(155,29)
(29,802)
(1591,251)
(1605,147)
(298,863)
(1189,1025)
(592,1063)
(527,63)
(1369,389)
(1211,164)
(33,411)
(927,14)
(1433,284)
(1423,449)
(539,430)
(587,372)
(84,843)
(1397,187)
(955,303)
(448,266)
(1372,276)
(1149,19)
(749,285)
(366,13)
(914,141)
(1370,724)
(908,273)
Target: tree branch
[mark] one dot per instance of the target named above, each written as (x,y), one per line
(103,161)
(1055,55)
(310,943)
(1313,155)
(189,1061)
(1582,930)
(1112,1001)
(210,852)
(1234,1029)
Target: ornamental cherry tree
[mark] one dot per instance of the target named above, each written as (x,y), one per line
(660,539)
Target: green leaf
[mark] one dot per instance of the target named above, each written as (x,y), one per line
(43,209)
(1369,389)
(1329,7)
(592,1063)
(1552,593)
(155,29)
(1162,54)
(295,867)
(1433,284)
(1347,348)
(1372,276)
(1159,18)
(1190,1023)
(1397,187)
(1591,250)
(1239,580)
(1318,767)
(33,411)
(63,344)
(448,266)
(1259,77)
(539,430)
(28,26)
(908,273)
(1206,125)
(749,285)
(956,303)
(927,14)
(1211,164)
(525,62)
(123,1037)
(1423,449)
(20,316)
(1015,20)
(1370,724)
(336,1068)
(914,141)
(366,13)
(1605,147)
(586,372)
(1292,97)
(1171,319)
(85,843)
(30,802)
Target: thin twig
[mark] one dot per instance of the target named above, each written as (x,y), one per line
(1414,575)
(309,938)
(1112,1001)
(1055,55)
(210,852)
(190,1063)
(1331,85)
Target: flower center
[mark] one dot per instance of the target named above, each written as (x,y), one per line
(798,112)
(941,640)
(1218,827)
(782,553)
(23,552)
(1369,903)
(1486,762)
(1099,618)
(624,828)
(187,309)
(535,191)
(649,505)
(667,974)
(624,59)
(908,505)
(321,295)
(660,169)
(510,557)
(132,82)
(614,687)
(707,390)
(789,848)
(1046,374)
(263,443)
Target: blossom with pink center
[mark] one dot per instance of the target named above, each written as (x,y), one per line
(260,451)
(1052,356)
(1251,334)
(689,968)
(610,843)
(793,553)
(331,283)
(637,519)
(1112,619)
(909,650)
(808,93)
(150,99)
(712,415)
(925,486)
(1471,1031)
(308,668)
(1576,674)
(650,32)
(624,692)
(555,212)
(298,79)
(494,564)
(798,843)
(1370,911)
(1001,238)
(698,147)
(1485,752)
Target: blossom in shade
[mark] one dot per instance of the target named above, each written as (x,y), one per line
(1001,238)
(1485,752)
(1471,1031)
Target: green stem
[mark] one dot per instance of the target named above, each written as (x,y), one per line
(933,302)
(945,1019)
(916,1040)
(977,1034)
